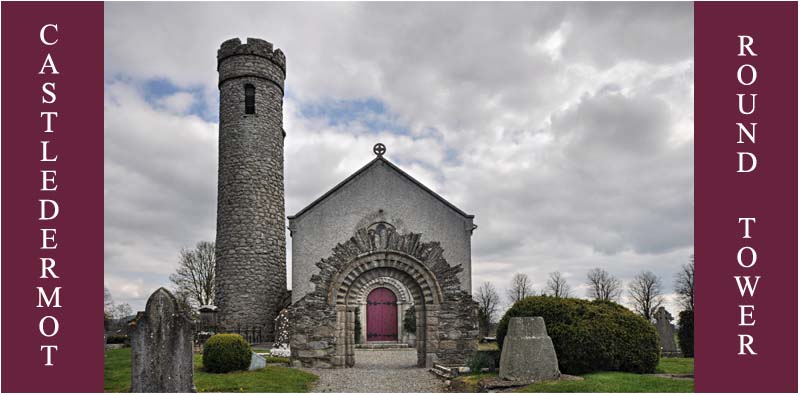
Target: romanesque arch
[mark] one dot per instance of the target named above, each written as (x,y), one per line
(323,320)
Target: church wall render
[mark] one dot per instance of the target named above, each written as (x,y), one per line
(377,194)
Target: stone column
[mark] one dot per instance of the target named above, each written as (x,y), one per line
(350,356)
(431,334)
(340,357)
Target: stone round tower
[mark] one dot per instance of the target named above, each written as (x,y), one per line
(251,241)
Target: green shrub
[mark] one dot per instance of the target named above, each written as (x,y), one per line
(686,333)
(484,359)
(591,336)
(226,352)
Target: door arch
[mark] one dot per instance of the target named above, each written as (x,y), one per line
(381,315)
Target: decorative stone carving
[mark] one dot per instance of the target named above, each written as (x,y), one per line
(161,338)
(528,354)
(666,333)
(447,331)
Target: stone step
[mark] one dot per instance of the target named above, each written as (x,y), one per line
(382,346)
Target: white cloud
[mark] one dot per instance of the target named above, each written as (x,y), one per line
(566,128)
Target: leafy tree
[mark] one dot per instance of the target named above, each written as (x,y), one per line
(488,300)
(603,286)
(521,287)
(645,293)
(557,286)
(195,274)
(684,285)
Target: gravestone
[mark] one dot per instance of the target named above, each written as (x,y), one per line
(257,362)
(528,354)
(666,333)
(161,338)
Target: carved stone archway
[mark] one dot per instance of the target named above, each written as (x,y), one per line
(323,320)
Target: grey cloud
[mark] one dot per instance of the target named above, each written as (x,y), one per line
(566,128)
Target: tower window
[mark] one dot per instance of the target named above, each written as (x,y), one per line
(249,99)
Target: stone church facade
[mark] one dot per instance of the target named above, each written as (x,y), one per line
(377,244)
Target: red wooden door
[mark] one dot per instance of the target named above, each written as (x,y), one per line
(381,315)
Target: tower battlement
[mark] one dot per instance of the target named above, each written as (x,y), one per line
(254,47)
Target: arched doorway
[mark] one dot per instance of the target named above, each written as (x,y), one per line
(381,315)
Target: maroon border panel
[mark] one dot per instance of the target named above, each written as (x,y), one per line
(77,140)
(723,195)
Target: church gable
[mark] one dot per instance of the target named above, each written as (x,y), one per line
(376,169)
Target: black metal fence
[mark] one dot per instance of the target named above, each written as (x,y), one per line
(252,333)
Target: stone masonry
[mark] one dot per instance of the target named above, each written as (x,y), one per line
(528,354)
(322,321)
(251,244)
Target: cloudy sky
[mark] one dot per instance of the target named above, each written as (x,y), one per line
(567,129)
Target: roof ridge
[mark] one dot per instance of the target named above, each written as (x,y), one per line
(391,166)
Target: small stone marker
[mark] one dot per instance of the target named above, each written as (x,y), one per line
(528,354)
(161,338)
(257,362)
(666,334)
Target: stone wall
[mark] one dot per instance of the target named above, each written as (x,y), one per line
(322,321)
(251,243)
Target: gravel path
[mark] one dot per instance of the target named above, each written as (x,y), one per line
(379,371)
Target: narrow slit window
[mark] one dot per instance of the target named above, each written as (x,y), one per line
(249,99)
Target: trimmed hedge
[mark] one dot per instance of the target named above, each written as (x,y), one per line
(686,333)
(591,336)
(226,352)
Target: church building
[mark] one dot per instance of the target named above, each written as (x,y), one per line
(380,253)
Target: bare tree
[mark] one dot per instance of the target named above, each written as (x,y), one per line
(603,286)
(557,286)
(684,285)
(195,274)
(521,287)
(122,310)
(108,301)
(108,308)
(488,300)
(645,292)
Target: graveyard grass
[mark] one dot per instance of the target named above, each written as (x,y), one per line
(625,382)
(270,379)
(603,381)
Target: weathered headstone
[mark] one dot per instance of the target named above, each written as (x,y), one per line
(666,333)
(161,338)
(528,354)
(257,362)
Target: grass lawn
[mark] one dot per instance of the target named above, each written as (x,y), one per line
(675,365)
(269,379)
(614,382)
(603,381)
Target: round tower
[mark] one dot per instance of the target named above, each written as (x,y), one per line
(251,242)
